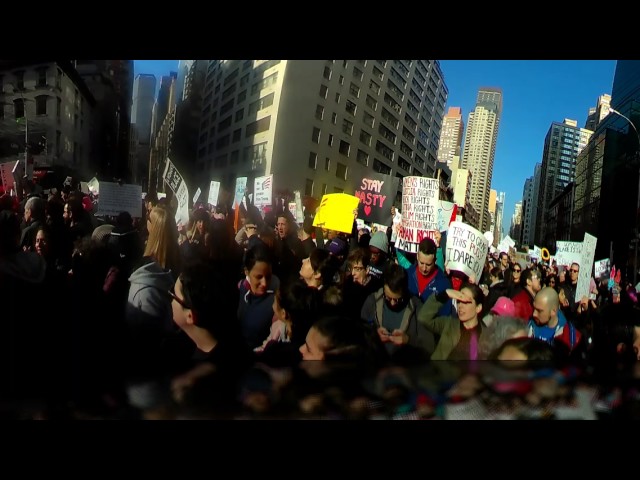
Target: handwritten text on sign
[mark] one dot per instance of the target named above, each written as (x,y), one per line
(419,212)
(466,249)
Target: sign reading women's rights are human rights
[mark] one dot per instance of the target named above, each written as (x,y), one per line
(419,212)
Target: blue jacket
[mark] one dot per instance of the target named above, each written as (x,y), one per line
(438,283)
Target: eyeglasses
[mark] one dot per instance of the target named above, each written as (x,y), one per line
(393,301)
(178,299)
(573,270)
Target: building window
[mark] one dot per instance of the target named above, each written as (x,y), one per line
(362,158)
(224,124)
(337,98)
(20,80)
(319,112)
(236,135)
(357,73)
(344,148)
(324,189)
(242,96)
(338,190)
(58,79)
(378,73)
(18,108)
(365,137)
(350,107)
(258,126)
(313,160)
(41,105)
(240,114)
(261,104)
(235,156)
(341,80)
(330,141)
(341,171)
(371,103)
(334,118)
(315,136)
(327,164)
(327,73)
(368,119)
(308,187)
(380,167)
(354,90)
(323,91)
(42,77)
(374,87)
(347,127)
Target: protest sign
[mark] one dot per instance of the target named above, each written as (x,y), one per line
(419,212)
(336,212)
(466,249)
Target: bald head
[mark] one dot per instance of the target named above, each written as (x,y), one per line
(550,297)
(545,307)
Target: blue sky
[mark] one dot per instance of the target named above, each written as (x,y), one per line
(535,94)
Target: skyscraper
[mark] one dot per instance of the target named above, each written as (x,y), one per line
(451,136)
(183,71)
(597,113)
(480,148)
(497,232)
(563,143)
(144,93)
(317,124)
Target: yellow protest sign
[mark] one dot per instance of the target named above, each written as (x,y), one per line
(336,212)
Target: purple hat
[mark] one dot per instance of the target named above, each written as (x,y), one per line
(337,247)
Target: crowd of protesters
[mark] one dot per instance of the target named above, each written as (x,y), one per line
(133,314)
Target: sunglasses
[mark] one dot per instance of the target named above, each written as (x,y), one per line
(178,299)
(516,270)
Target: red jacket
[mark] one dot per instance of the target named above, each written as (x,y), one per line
(524,305)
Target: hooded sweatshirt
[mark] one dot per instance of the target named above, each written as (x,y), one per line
(148,304)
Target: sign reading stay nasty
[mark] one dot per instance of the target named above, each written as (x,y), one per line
(376,193)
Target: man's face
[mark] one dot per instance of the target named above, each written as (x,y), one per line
(504,260)
(541,312)
(426,263)
(283,227)
(573,272)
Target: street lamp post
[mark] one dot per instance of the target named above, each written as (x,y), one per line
(637,239)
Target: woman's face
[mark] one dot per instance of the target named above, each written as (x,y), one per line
(306,271)
(467,310)
(314,346)
(359,273)
(41,243)
(259,278)
(200,226)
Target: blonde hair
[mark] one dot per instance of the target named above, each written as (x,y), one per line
(162,244)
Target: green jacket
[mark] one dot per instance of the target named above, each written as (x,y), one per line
(447,327)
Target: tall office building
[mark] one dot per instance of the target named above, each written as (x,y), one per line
(516,222)
(598,113)
(492,210)
(498,234)
(606,183)
(451,136)
(316,125)
(165,101)
(144,93)
(528,199)
(480,148)
(183,71)
(563,143)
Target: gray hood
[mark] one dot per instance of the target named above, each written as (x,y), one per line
(152,275)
